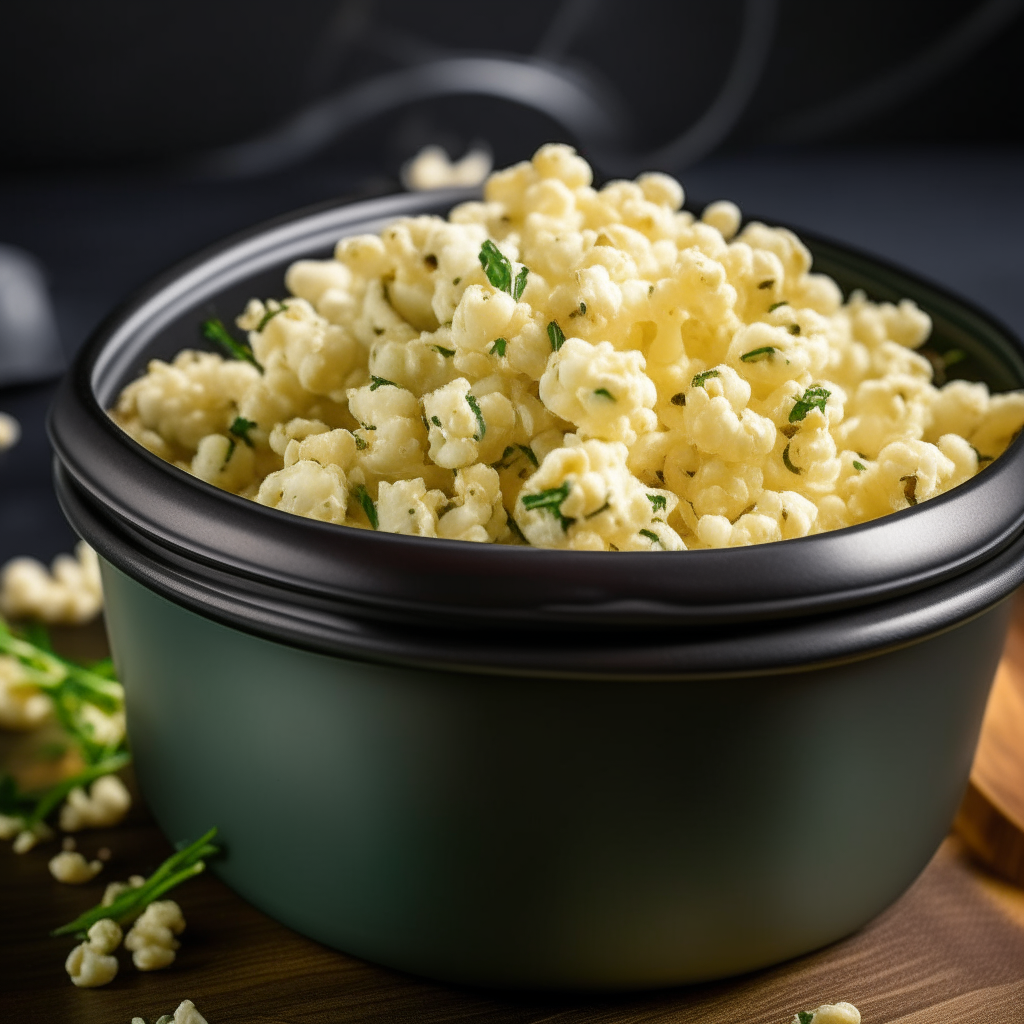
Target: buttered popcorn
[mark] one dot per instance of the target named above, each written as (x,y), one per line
(571,367)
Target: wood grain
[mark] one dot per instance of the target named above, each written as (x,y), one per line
(991,817)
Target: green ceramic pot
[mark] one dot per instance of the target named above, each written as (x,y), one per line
(520,768)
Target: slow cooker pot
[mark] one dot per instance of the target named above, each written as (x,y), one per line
(522,768)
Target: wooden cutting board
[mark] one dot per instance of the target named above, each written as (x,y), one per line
(991,817)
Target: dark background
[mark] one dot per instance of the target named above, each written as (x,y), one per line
(896,127)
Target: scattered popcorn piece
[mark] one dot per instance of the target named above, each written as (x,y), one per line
(29,838)
(10,826)
(89,964)
(106,804)
(105,935)
(22,705)
(115,889)
(10,430)
(830,1013)
(72,868)
(151,939)
(432,168)
(70,593)
(186,1013)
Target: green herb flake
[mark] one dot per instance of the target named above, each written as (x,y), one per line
(215,331)
(775,305)
(583,309)
(240,428)
(498,348)
(549,501)
(806,1016)
(456,280)
(436,420)
(605,393)
(231,451)
(597,511)
(496,266)
(362,495)
(767,284)
(651,536)
(361,445)
(793,328)
(702,378)
(520,283)
(659,503)
(814,397)
(480,421)
(529,453)
(859,466)
(787,463)
(555,336)
(446,352)
(981,458)
(268,316)
(678,399)
(431,260)
(382,382)
(910,488)
(953,356)
(755,355)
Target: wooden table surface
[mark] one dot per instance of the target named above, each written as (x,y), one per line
(950,951)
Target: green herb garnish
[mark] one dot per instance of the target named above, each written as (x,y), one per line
(496,266)
(775,305)
(215,331)
(597,511)
(787,463)
(953,356)
(520,283)
(981,458)
(178,868)
(549,501)
(361,445)
(498,348)
(555,336)
(446,352)
(658,502)
(480,421)
(678,399)
(702,378)
(605,393)
(382,382)
(360,493)
(431,260)
(240,428)
(268,316)
(436,420)
(767,284)
(814,397)
(528,452)
(583,309)
(232,445)
(859,466)
(806,1016)
(651,536)
(755,355)
(793,328)
(514,527)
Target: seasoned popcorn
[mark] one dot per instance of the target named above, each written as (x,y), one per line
(576,368)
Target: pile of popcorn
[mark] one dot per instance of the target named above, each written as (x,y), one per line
(574,368)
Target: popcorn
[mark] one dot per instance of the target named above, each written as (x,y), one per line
(70,593)
(596,363)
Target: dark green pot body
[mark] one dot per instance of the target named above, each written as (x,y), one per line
(520,831)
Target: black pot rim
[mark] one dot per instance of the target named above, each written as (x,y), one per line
(391,580)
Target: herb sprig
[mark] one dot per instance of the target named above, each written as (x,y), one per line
(498,269)
(550,501)
(214,330)
(814,397)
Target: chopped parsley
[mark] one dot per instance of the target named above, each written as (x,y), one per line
(240,428)
(767,284)
(436,420)
(480,421)
(382,382)
(446,352)
(520,283)
(360,493)
(215,331)
(787,463)
(583,309)
(549,501)
(775,305)
(232,443)
(268,316)
(658,502)
(814,397)
(651,536)
(456,280)
(859,466)
(498,270)
(794,328)
(515,530)
(498,348)
(597,511)
(605,393)
(805,1016)
(755,355)
(361,445)
(555,336)
(678,398)
(910,488)
(702,378)
(981,458)
(528,452)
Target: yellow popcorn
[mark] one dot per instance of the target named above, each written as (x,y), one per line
(579,367)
